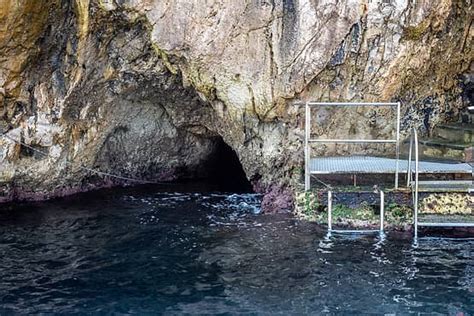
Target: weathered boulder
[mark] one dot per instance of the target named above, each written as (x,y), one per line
(145,88)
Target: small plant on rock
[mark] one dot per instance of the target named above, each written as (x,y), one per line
(399,214)
(308,204)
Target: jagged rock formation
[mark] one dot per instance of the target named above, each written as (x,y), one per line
(146,89)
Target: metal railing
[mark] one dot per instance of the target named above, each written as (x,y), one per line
(309,140)
(414,184)
(410,183)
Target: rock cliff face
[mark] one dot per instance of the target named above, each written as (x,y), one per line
(147,89)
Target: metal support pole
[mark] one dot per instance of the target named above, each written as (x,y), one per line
(307,150)
(409,175)
(398,144)
(382,210)
(416,215)
(329,211)
(417,166)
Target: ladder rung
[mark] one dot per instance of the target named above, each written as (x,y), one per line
(444,186)
(344,231)
(427,224)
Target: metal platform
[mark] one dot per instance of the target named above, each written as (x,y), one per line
(334,165)
(412,167)
(368,164)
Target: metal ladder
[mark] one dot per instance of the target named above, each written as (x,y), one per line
(360,231)
(308,140)
(429,186)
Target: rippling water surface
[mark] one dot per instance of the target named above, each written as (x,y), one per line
(148,252)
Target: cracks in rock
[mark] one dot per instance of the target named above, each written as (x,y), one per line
(313,78)
(308,43)
(467,33)
(382,64)
(355,59)
(363,39)
(273,64)
(234,26)
(252,99)
(406,13)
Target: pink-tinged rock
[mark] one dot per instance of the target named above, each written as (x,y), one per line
(277,199)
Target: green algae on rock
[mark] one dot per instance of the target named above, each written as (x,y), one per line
(351,213)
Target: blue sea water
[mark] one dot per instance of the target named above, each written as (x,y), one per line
(168,251)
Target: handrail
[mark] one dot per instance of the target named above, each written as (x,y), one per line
(355,141)
(352,103)
(413,183)
(414,145)
(308,140)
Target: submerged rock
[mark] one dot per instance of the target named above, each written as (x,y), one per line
(147,89)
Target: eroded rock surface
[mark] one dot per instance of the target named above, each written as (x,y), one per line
(143,88)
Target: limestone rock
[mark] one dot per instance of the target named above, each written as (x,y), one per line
(143,88)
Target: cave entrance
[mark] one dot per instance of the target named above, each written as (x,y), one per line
(224,170)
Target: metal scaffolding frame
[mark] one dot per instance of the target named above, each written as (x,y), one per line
(309,140)
(355,164)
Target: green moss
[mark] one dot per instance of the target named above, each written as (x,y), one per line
(202,83)
(309,207)
(395,214)
(164,57)
(308,204)
(398,214)
(340,213)
(414,33)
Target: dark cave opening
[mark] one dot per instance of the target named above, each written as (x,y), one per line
(224,170)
